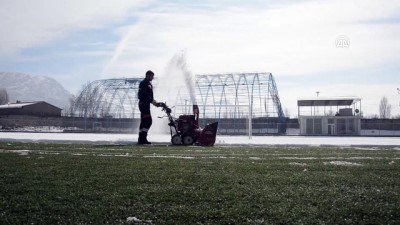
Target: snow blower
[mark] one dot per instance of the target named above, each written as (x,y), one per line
(186,130)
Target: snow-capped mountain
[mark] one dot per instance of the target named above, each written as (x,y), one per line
(26,88)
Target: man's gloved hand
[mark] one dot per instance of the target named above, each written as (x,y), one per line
(161,104)
(156,104)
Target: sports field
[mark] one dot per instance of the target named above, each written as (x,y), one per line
(54,183)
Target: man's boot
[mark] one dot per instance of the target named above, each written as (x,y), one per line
(142,140)
(146,142)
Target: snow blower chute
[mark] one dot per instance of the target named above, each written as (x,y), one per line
(186,130)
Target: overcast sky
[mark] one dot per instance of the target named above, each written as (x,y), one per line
(335,47)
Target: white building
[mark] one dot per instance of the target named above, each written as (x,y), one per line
(333,116)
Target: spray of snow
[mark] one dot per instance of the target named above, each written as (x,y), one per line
(178,70)
(177,80)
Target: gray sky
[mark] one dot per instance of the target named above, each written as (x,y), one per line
(336,47)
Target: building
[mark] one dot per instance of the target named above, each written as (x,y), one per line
(30,108)
(333,116)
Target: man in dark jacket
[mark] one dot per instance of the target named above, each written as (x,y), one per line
(145,99)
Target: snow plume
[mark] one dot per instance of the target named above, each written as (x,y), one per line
(178,69)
(174,86)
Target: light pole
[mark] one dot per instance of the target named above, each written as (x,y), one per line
(317,110)
(398,92)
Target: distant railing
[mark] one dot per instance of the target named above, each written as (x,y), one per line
(123,125)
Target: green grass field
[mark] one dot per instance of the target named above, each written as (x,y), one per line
(47,183)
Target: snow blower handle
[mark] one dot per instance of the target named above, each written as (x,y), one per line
(164,107)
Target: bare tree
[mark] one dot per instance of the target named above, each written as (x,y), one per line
(69,108)
(3,96)
(384,108)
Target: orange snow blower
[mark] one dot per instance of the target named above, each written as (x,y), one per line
(186,130)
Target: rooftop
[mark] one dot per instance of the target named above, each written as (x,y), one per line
(339,101)
(17,105)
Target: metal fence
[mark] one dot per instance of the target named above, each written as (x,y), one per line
(225,126)
(68,124)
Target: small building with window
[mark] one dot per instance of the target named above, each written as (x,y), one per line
(330,116)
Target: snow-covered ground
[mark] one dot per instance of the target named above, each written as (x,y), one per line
(221,139)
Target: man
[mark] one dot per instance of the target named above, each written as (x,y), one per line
(145,98)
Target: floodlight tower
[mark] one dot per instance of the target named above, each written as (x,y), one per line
(398,92)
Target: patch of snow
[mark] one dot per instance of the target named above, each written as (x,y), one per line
(123,155)
(298,164)
(20,152)
(342,163)
(359,157)
(255,158)
(256,221)
(368,149)
(47,129)
(217,157)
(222,140)
(49,153)
(134,220)
(168,156)
(114,155)
(301,158)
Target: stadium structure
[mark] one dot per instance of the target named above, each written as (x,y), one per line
(242,103)
(115,98)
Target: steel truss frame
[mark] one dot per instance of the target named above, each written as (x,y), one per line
(231,96)
(110,97)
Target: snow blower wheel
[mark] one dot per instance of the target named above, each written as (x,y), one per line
(188,140)
(176,139)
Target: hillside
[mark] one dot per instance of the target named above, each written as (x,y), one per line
(25,87)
